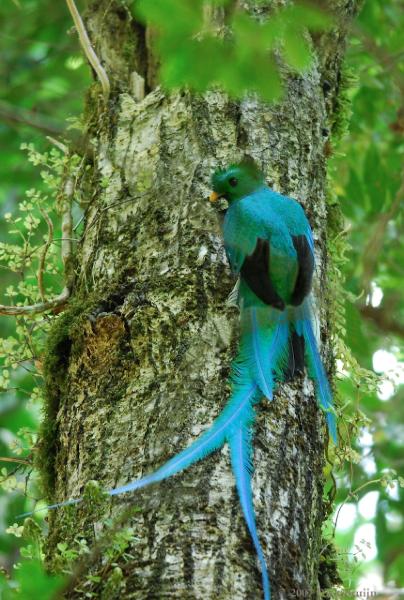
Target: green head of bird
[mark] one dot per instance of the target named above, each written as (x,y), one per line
(236,181)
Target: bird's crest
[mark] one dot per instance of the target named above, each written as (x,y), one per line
(237,180)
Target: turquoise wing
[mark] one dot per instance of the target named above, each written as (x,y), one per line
(269,243)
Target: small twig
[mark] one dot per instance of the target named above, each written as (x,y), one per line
(333,491)
(105,208)
(21,461)
(385,320)
(67,222)
(88,49)
(62,239)
(13,472)
(16,388)
(351,494)
(79,222)
(58,144)
(44,252)
(17,115)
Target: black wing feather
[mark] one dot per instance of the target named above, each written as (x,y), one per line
(255,272)
(305,261)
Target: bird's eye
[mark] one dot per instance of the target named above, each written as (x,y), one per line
(233,181)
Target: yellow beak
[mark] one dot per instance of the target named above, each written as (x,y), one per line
(214,197)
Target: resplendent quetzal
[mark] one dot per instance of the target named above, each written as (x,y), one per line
(270,247)
(269,244)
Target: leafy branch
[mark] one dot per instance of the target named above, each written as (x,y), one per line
(61,299)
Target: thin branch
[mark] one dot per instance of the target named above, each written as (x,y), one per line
(20,461)
(386,322)
(58,144)
(35,309)
(16,115)
(16,388)
(373,247)
(385,59)
(44,252)
(67,222)
(350,495)
(88,49)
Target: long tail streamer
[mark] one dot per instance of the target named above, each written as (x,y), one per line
(241,459)
(304,327)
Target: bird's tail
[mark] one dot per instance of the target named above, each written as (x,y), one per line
(241,459)
(304,327)
(264,345)
(238,409)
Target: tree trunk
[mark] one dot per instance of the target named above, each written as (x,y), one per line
(137,366)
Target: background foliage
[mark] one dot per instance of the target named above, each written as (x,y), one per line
(43,82)
(368,178)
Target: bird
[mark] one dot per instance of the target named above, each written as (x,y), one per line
(270,248)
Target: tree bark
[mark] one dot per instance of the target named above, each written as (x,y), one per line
(137,366)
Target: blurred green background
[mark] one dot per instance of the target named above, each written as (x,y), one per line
(43,79)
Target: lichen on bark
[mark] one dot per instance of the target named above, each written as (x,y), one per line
(149,356)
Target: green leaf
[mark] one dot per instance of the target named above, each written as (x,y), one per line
(310,16)
(252,37)
(296,49)
(174,17)
(373,175)
(354,202)
(32,581)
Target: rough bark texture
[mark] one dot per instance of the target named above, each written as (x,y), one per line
(137,367)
